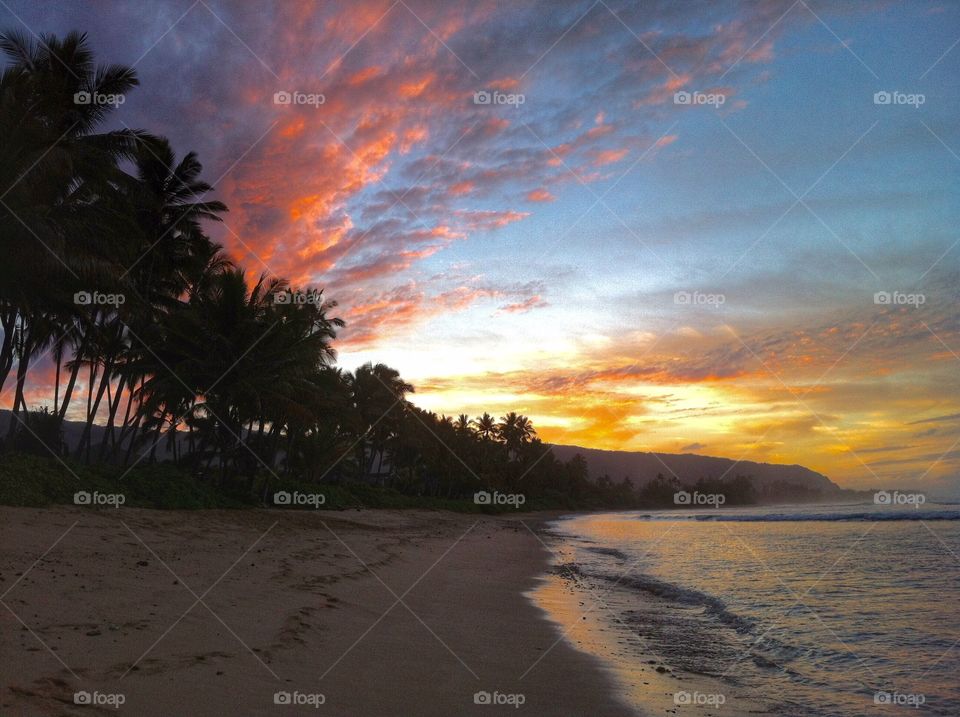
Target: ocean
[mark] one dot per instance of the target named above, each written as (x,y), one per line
(784,610)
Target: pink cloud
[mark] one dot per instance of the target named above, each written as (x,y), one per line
(521,307)
(540,195)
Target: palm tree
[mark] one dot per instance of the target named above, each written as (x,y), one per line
(486,427)
(167,196)
(463,425)
(515,430)
(56,179)
(197,344)
(525,429)
(379,396)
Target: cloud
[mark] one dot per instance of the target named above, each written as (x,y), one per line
(937,419)
(609,156)
(521,307)
(398,150)
(540,195)
(392,313)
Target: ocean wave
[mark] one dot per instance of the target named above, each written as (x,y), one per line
(711,604)
(749,635)
(749,638)
(864,516)
(612,552)
(671,592)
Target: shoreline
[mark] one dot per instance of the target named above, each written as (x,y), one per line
(354,613)
(642,677)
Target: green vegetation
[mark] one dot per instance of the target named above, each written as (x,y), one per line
(38,481)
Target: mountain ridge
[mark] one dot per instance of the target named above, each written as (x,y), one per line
(643,466)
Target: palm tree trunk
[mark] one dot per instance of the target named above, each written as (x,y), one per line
(114,405)
(153,448)
(87,437)
(126,415)
(18,399)
(8,322)
(58,355)
(74,372)
(133,438)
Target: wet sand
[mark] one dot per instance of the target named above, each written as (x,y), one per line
(588,623)
(230,612)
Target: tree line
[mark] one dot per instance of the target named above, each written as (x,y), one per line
(169,352)
(163,346)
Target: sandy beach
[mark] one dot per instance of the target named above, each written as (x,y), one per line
(231,612)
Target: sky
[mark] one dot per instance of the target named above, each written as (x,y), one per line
(727,228)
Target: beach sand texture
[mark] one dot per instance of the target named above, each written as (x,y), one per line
(214,612)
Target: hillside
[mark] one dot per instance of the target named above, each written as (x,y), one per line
(689,467)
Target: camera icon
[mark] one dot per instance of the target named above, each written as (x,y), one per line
(82,98)
(882,497)
(482,497)
(82,298)
(482,698)
(681,498)
(81,497)
(882,698)
(682,298)
(481,97)
(282,498)
(882,298)
(282,98)
(82,698)
(282,297)
(682,698)
(882,98)
(681,98)
(282,698)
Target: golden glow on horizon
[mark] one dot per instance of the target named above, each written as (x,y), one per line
(754,418)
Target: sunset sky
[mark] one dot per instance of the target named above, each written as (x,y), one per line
(529,256)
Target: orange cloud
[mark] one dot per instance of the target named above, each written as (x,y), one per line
(540,195)
(365,75)
(462,188)
(610,156)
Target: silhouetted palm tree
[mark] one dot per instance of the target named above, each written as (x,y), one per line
(200,360)
(486,427)
(463,424)
(57,178)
